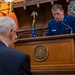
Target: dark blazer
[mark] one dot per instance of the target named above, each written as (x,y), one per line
(56,28)
(13,62)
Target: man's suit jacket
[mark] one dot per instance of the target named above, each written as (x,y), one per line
(13,62)
(56,28)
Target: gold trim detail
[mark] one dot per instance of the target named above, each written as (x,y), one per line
(40,53)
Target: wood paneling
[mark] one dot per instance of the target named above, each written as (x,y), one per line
(44,15)
(61,53)
(61,48)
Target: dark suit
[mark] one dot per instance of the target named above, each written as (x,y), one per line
(13,62)
(56,28)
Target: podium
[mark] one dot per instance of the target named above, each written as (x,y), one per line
(50,54)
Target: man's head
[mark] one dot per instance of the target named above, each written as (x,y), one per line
(58,12)
(7,30)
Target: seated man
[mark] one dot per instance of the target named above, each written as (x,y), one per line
(62,24)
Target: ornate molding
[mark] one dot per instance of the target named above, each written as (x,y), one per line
(30,2)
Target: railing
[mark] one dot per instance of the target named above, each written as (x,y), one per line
(31,2)
(25,32)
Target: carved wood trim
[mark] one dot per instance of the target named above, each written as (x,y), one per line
(30,2)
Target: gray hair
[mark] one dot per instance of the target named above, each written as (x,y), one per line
(6,24)
(57,6)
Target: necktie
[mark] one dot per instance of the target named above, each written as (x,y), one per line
(60,26)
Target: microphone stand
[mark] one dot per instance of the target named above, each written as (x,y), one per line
(68,27)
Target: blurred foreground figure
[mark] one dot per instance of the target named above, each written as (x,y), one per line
(12,62)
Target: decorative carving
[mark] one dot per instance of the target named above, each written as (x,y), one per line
(40,53)
(34,14)
(31,2)
(67,1)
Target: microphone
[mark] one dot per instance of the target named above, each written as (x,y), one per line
(20,35)
(66,25)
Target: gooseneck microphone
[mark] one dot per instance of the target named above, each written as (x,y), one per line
(66,25)
(20,35)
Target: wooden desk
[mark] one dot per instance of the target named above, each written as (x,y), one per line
(61,54)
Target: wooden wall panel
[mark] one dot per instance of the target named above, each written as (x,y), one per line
(61,52)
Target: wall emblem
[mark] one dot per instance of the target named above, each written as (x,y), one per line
(40,53)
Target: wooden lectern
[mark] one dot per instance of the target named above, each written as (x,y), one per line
(60,54)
